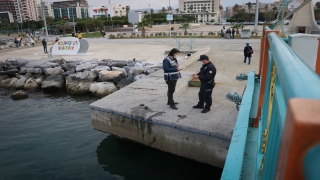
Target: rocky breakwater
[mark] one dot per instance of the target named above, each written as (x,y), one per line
(98,77)
(7,42)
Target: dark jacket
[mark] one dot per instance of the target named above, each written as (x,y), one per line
(170,69)
(233,31)
(44,43)
(228,31)
(207,73)
(246,51)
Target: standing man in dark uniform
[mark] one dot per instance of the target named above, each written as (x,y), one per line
(206,76)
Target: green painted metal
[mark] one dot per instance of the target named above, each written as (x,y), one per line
(233,165)
(191,38)
(311,164)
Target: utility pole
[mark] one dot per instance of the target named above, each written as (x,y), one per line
(45,21)
(110,10)
(257,17)
(150,11)
(170,20)
(74,27)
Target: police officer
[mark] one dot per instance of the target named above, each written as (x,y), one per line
(206,76)
(171,75)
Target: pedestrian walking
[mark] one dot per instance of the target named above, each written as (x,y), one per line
(248,51)
(171,75)
(228,33)
(32,41)
(206,76)
(233,31)
(57,39)
(19,40)
(222,33)
(44,44)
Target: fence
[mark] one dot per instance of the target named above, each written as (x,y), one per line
(288,116)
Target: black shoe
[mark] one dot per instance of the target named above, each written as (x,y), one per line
(205,110)
(172,106)
(244,61)
(198,107)
(174,103)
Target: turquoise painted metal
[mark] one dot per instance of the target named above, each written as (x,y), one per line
(191,38)
(287,77)
(233,164)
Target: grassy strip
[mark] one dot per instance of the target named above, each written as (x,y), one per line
(92,35)
(182,37)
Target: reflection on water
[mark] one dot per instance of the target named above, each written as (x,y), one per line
(50,136)
(135,161)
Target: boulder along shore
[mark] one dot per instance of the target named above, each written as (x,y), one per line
(75,76)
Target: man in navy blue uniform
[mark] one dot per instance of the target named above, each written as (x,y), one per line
(206,76)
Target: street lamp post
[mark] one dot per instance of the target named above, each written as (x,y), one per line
(44,20)
(74,27)
(110,10)
(150,11)
(170,20)
(257,17)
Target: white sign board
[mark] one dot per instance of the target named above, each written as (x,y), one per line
(169,17)
(134,17)
(245,33)
(66,46)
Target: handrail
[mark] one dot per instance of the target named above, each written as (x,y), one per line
(233,165)
(293,72)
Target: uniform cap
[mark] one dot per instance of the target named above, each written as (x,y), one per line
(203,57)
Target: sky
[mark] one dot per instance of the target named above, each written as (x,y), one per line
(158,4)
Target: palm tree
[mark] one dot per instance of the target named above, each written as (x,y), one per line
(191,8)
(249,6)
(177,10)
(101,9)
(145,23)
(220,7)
(169,8)
(127,9)
(185,26)
(116,13)
(204,9)
(151,11)
(123,9)
(235,8)
(266,7)
(145,12)
(120,12)
(163,10)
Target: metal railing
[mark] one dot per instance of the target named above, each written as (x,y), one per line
(288,116)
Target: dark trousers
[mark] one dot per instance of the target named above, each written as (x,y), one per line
(45,48)
(205,96)
(245,59)
(232,35)
(171,89)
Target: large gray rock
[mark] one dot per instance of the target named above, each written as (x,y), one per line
(1,64)
(24,70)
(37,71)
(114,76)
(19,95)
(150,70)
(101,68)
(10,72)
(112,63)
(3,77)
(136,78)
(52,71)
(39,79)
(85,66)
(134,71)
(125,82)
(68,66)
(19,84)
(120,69)
(12,63)
(59,61)
(2,47)
(31,84)
(6,47)
(67,73)
(131,63)
(80,82)
(48,65)
(53,82)
(102,89)
(8,83)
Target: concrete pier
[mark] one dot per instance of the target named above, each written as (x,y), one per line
(139,112)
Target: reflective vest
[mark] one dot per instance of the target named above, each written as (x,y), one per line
(171,76)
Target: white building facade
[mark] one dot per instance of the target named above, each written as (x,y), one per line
(26,10)
(98,11)
(117,10)
(47,9)
(204,10)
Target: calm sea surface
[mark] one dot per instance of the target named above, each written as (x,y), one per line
(50,136)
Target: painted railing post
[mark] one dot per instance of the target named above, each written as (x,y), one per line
(301,133)
(263,76)
(318,59)
(262,46)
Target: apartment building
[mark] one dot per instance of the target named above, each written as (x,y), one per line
(98,11)
(6,15)
(46,7)
(70,9)
(22,10)
(204,10)
(26,10)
